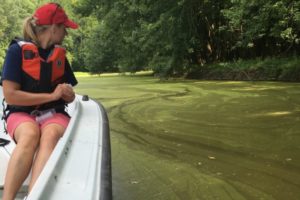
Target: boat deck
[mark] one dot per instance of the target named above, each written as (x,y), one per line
(80,165)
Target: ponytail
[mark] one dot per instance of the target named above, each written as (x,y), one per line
(30,29)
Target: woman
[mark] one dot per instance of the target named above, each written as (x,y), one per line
(36,82)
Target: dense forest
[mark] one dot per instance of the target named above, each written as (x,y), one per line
(175,37)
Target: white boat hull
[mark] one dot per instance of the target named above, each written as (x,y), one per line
(80,165)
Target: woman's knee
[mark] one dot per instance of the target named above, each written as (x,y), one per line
(50,136)
(28,135)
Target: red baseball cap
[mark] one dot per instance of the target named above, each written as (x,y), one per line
(53,13)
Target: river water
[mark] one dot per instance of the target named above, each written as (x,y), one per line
(207,140)
(201,140)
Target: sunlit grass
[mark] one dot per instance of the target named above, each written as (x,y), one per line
(87,74)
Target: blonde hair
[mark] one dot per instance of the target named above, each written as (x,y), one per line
(31,29)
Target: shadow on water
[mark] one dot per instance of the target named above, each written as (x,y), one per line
(201,140)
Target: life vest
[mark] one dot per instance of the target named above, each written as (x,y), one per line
(40,75)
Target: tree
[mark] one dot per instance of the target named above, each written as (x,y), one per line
(12,14)
(263,28)
(169,37)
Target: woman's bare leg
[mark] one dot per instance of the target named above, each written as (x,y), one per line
(49,138)
(27,136)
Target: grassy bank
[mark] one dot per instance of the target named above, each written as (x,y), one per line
(268,69)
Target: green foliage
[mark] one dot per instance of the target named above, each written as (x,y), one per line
(176,37)
(12,14)
(263,28)
(101,58)
(273,69)
(290,70)
(172,38)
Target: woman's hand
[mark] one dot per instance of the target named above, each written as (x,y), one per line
(58,92)
(64,91)
(68,94)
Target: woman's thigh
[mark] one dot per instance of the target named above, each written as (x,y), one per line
(22,124)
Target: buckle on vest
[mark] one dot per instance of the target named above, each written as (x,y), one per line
(42,115)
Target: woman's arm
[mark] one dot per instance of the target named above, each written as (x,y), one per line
(14,96)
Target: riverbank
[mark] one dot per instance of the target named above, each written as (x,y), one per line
(268,69)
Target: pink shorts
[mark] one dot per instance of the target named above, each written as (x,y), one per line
(15,119)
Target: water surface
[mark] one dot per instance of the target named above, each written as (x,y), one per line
(201,139)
